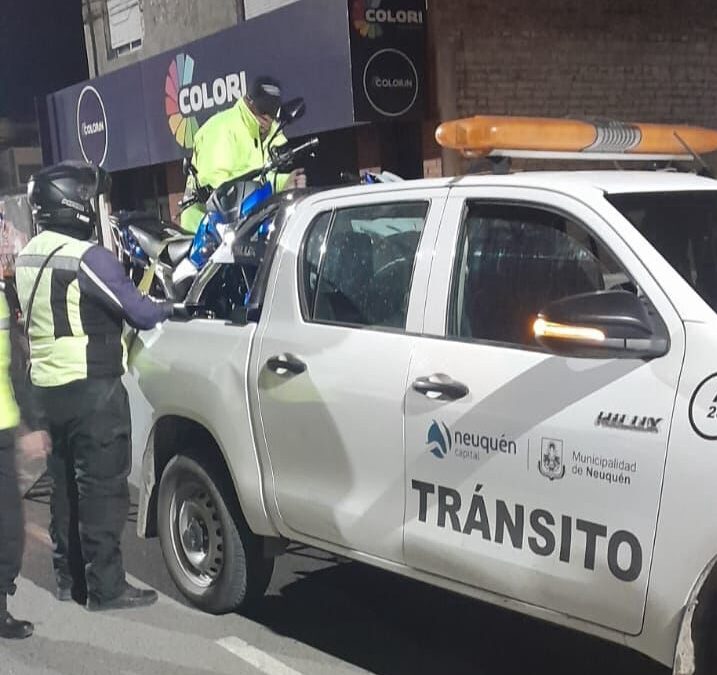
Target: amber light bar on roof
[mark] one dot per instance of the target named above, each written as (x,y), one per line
(544,137)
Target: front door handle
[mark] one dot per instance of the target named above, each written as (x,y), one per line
(441,387)
(286,363)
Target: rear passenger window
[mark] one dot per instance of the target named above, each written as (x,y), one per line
(313,251)
(358,264)
(513,261)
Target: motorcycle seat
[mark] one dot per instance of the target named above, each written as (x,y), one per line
(150,244)
(146,221)
(179,249)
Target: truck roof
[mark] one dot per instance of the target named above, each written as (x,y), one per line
(606,181)
(610,182)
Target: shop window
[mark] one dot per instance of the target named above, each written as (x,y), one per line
(254,8)
(124,25)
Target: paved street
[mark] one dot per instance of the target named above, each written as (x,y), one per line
(321,615)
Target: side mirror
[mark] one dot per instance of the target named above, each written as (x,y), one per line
(603,324)
(292,111)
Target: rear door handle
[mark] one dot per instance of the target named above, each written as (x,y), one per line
(286,363)
(441,387)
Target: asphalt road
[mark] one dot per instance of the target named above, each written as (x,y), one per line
(321,615)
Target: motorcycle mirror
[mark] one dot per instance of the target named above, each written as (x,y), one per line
(292,110)
(188,168)
(289,112)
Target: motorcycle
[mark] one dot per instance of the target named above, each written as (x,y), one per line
(138,237)
(370,178)
(164,261)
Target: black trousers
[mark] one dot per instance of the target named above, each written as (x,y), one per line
(89,422)
(12,526)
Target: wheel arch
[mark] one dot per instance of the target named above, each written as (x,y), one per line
(170,435)
(696,634)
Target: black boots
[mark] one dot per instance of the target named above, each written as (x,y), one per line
(64,593)
(11,628)
(130,598)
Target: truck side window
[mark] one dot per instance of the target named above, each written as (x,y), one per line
(513,261)
(359,272)
(314,248)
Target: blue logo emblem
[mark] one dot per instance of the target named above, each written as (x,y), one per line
(439,440)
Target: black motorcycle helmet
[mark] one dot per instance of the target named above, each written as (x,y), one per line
(61,197)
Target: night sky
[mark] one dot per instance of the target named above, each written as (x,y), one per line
(42,49)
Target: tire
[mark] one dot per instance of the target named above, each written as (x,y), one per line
(213,558)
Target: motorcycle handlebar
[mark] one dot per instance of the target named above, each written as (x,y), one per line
(190,201)
(279,159)
(311,144)
(282,158)
(200,196)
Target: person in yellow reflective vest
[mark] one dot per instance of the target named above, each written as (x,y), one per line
(233,142)
(75,296)
(12,526)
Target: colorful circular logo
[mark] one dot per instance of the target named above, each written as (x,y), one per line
(358,16)
(179,76)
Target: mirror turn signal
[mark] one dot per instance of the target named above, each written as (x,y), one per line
(549,329)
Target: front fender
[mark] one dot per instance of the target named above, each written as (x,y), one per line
(147,484)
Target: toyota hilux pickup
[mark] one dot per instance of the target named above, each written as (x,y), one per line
(501,385)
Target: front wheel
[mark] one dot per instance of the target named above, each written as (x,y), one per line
(212,556)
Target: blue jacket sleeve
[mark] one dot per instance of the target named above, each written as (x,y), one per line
(102,277)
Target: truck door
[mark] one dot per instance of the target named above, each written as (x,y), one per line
(530,475)
(332,364)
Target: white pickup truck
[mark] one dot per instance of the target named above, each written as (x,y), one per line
(505,386)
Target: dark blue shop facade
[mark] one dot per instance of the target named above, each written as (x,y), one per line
(360,65)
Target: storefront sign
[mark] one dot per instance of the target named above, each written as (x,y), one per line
(92,126)
(363,62)
(388,58)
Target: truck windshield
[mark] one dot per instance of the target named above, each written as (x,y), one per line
(682,226)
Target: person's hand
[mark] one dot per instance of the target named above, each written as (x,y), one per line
(297,179)
(35,445)
(180,311)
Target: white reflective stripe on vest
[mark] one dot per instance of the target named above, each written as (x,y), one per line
(57,262)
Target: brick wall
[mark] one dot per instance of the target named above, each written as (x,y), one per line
(641,60)
(648,60)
